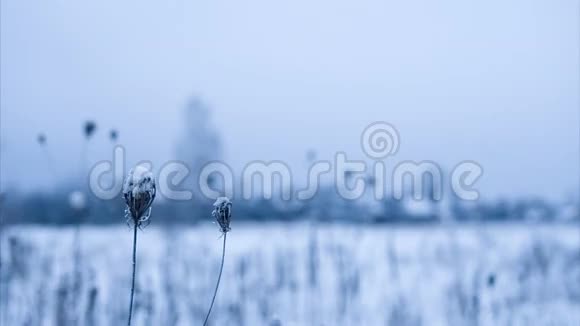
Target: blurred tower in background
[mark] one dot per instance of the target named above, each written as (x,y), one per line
(199,142)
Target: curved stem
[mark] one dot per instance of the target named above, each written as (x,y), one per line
(133,278)
(218,281)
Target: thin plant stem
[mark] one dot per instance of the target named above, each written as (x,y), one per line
(218,281)
(77,275)
(50,163)
(133,277)
(83,162)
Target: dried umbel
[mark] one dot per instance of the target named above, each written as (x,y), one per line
(310,155)
(89,128)
(41,139)
(222,212)
(139,192)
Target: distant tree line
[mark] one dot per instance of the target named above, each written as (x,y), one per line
(200,143)
(54,208)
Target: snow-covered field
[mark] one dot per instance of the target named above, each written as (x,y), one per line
(292,274)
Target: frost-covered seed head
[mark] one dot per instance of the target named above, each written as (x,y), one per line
(77,201)
(222,212)
(90,128)
(139,192)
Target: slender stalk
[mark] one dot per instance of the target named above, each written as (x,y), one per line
(50,163)
(218,281)
(133,278)
(77,275)
(83,162)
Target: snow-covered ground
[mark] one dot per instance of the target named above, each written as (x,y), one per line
(294,274)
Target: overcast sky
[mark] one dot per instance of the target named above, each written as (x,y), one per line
(492,81)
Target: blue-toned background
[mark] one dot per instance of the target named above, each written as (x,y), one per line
(492,82)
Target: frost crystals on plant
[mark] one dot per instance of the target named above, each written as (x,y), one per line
(139,192)
(222,212)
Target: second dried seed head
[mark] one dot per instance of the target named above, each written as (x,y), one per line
(222,212)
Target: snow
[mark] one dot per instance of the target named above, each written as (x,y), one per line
(363,275)
(221,201)
(139,180)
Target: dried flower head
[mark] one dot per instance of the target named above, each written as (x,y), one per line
(139,192)
(41,138)
(222,212)
(90,127)
(310,155)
